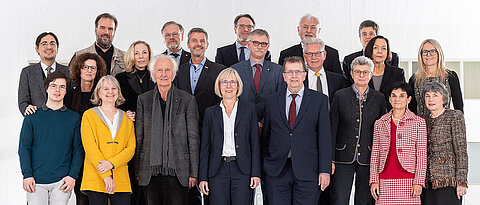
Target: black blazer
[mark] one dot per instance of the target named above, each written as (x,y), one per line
(227,55)
(131,88)
(247,142)
(204,91)
(184,58)
(335,82)
(331,63)
(391,74)
(347,61)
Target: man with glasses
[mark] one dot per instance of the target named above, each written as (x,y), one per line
(173,36)
(309,27)
(238,51)
(50,147)
(105,29)
(31,93)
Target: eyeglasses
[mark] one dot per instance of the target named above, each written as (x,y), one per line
(52,43)
(432,52)
(296,72)
(310,54)
(358,73)
(168,35)
(243,26)
(232,82)
(55,86)
(91,68)
(306,27)
(256,43)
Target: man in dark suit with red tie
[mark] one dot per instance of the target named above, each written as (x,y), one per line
(296,146)
(173,35)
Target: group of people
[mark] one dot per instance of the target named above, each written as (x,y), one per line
(134,128)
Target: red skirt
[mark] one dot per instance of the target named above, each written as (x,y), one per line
(396,191)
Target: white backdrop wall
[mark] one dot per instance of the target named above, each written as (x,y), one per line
(406,23)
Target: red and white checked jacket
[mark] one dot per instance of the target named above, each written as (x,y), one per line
(411,146)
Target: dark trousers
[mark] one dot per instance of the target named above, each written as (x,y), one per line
(137,196)
(325,195)
(442,196)
(165,190)
(99,198)
(80,197)
(195,196)
(230,186)
(342,184)
(286,189)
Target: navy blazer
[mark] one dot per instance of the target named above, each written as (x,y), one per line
(271,81)
(247,142)
(309,140)
(335,82)
(227,55)
(331,63)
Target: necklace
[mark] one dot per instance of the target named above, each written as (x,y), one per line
(140,79)
(435,116)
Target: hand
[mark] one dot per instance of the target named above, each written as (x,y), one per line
(333,168)
(416,190)
(104,166)
(461,190)
(323,181)
(68,185)
(130,115)
(254,182)
(204,187)
(374,190)
(260,126)
(109,184)
(192,182)
(29,184)
(30,110)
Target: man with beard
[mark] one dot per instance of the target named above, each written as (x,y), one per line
(173,35)
(309,27)
(31,93)
(238,51)
(105,28)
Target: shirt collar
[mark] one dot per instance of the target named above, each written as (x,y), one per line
(44,67)
(179,52)
(364,96)
(252,63)
(45,108)
(299,93)
(238,45)
(322,72)
(201,64)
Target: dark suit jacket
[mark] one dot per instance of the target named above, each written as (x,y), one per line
(184,58)
(331,63)
(247,142)
(131,89)
(335,82)
(391,74)
(347,61)
(271,81)
(30,87)
(228,56)
(309,140)
(204,91)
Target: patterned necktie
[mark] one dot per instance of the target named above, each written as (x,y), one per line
(49,70)
(242,54)
(175,55)
(292,112)
(256,77)
(319,83)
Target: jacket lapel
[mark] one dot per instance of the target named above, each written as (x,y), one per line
(202,76)
(281,101)
(303,106)
(248,75)
(131,78)
(386,77)
(38,75)
(239,115)
(234,54)
(264,75)
(219,117)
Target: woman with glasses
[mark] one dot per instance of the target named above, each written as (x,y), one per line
(431,67)
(384,74)
(230,145)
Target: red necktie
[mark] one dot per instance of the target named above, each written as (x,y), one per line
(256,77)
(292,112)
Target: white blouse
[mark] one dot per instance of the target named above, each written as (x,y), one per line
(229,131)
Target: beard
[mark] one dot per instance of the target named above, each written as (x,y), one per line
(173,47)
(104,44)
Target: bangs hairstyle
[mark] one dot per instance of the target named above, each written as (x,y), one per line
(53,76)
(440,88)
(362,60)
(130,56)
(402,86)
(225,74)
(77,66)
(113,82)
(442,70)
(294,59)
(162,56)
(371,43)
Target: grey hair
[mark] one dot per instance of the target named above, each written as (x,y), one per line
(437,87)
(310,41)
(161,56)
(259,32)
(112,81)
(362,60)
(308,17)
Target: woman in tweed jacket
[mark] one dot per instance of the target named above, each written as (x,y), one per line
(446,180)
(399,152)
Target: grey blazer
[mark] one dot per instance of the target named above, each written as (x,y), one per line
(30,87)
(186,138)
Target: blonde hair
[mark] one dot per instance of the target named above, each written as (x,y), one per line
(224,74)
(130,56)
(442,71)
(113,81)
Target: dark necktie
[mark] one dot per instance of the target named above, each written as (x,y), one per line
(256,77)
(292,112)
(319,83)
(242,54)
(49,70)
(175,55)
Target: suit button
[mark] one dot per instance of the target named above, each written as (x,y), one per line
(358,145)
(358,154)
(399,150)
(358,120)
(401,123)
(356,136)
(361,106)
(399,136)
(235,134)
(291,134)
(236,146)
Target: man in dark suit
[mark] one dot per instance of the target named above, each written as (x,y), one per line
(31,92)
(296,150)
(238,51)
(308,27)
(366,31)
(173,35)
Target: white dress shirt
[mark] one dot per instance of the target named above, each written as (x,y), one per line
(312,81)
(229,131)
(44,68)
(112,126)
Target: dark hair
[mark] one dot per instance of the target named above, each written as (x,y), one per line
(402,86)
(53,76)
(294,59)
(108,16)
(77,65)
(197,30)
(173,22)
(368,23)
(39,38)
(235,22)
(369,48)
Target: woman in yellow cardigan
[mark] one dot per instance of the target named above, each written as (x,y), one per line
(109,141)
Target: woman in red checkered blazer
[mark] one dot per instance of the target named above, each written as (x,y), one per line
(399,153)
